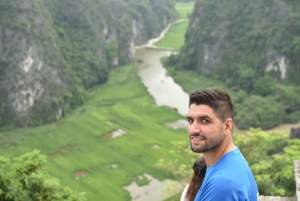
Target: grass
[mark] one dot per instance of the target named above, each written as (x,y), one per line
(184,9)
(191,80)
(174,38)
(175,197)
(77,143)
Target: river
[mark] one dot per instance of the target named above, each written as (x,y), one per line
(162,87)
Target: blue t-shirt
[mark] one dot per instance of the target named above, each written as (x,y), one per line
(230,179)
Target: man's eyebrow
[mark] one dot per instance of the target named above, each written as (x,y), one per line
(204,117)
(200,117)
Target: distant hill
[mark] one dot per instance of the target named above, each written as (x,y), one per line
(51,52)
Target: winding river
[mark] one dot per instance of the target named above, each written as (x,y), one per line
(162,87)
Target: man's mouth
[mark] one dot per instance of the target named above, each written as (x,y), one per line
(197,138)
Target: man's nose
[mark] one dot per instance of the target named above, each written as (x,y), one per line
(194,128)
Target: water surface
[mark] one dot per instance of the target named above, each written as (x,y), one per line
(159,84)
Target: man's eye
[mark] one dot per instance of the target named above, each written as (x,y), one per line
(190,120)
(204,121)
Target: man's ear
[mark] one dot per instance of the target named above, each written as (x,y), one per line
(228,125)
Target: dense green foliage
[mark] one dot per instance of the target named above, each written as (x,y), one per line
(253,33)
(27,179)
(246,45)
(260,111)
(271,157)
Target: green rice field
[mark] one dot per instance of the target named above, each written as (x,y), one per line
(184,9)
(79,146)
(174,38)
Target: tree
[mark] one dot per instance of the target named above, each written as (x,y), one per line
(26,179)
(264,86)
(271,157)
(245,78)
(257,111)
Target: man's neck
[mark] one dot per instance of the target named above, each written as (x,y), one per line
(214,156)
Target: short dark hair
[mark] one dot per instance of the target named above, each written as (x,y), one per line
(217,99)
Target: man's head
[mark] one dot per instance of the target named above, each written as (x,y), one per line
(210,119)
(217,99)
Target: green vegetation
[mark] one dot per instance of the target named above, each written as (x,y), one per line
(184,9)
(27,179)
(271,157)
(74,48)
(79,145)
(251,110)
(268,114)
(238,52)
(191,81)
(174,37)
(142,181)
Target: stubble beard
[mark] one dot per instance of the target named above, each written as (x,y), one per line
(210,144)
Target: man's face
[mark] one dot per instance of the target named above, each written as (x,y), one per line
(205,129)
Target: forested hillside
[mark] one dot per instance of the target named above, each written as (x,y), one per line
(52,51)
(253,47)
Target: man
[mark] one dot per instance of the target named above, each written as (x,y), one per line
(228,176)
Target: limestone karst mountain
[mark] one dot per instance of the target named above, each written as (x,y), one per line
(52,51)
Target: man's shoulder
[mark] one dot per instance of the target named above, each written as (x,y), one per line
(232,167)
(233,160)
(219,178)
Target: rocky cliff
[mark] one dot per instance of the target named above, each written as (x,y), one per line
(238,41)
(52,51)
(253,48)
